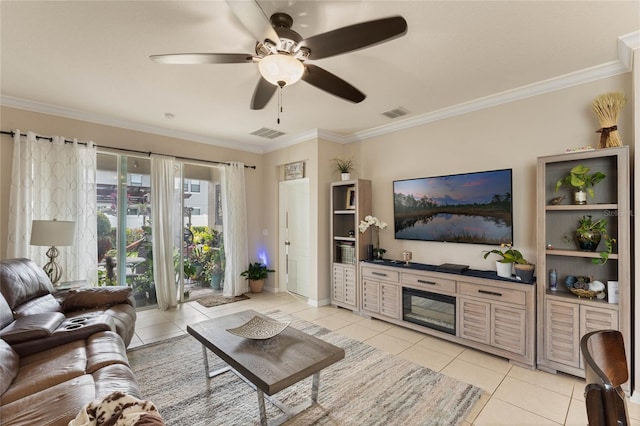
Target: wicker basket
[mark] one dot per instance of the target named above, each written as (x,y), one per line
(584,293)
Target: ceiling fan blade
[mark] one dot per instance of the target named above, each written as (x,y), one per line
(324,80)
(254,20)
(262,94)
(355,37)
(202,58)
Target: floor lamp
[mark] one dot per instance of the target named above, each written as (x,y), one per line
(52,233)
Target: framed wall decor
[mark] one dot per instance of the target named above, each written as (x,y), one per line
(351,198)
(294,170)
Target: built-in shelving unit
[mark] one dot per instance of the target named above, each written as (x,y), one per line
(563,318)
(350,203)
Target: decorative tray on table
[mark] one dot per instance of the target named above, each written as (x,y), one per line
(259,328)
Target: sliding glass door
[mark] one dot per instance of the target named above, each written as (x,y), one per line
(125,255)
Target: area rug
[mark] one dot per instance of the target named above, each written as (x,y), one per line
(211,301)
(368,387)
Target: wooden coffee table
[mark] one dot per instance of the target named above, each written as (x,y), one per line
(269,365)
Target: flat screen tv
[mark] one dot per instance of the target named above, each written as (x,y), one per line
(471,208)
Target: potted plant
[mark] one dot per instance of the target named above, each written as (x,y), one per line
(589,234)
(581,182)
(256,274)
(512,258)
(344,167)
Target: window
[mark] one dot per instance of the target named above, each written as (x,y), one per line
(195,186)
(135,180)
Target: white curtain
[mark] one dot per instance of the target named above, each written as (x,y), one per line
(164,198)
(234,218)
(54,180)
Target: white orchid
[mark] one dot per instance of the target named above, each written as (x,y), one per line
(371,221)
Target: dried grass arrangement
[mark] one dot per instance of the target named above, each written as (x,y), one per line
(607,107)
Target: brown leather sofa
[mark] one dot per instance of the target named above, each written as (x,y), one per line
(33,317)
(59,352)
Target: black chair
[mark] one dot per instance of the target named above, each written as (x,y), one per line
(605,365)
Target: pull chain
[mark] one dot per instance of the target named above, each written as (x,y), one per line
(279,103)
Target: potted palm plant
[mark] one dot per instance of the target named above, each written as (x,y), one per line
(589,234)
(256,274)
(344,167)
(581,182)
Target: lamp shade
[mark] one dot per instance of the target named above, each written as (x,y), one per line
(52,233)
(281,70)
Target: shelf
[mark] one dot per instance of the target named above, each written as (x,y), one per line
(578,253)
(352,211)
(351,239)
(566,296)
(581,207)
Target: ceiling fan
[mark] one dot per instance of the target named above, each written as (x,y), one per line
(281,52)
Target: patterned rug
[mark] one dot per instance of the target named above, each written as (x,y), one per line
(211,301)
(368,387)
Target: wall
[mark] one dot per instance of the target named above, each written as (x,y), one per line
(106,136)
(316,154)
(506,136)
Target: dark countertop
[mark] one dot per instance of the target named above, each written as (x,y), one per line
(476,273)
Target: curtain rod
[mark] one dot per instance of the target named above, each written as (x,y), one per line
(50,139)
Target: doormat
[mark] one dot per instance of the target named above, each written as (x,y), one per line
(211,301)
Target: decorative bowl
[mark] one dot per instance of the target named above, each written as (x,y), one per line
(258,328)
(584,293)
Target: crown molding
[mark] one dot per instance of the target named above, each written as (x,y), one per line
(626,45)
(558,83)
(59,111)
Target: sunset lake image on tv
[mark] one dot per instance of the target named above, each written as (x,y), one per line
(464,208)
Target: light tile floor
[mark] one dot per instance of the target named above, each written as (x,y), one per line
(513,395)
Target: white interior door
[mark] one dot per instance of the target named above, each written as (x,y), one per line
(294,236)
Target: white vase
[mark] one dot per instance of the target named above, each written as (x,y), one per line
(345,176)
(504,269)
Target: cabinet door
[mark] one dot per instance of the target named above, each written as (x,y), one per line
(562,332)
(508,330)
(594,318)
(350,285)
(337,287)
(475,320)
(371,296)
(390,300)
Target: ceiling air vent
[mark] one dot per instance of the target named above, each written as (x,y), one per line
(267,133)
(396,112)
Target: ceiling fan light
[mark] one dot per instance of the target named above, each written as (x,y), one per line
(279,69)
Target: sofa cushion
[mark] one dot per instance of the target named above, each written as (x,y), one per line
(54,406)
(105,348)
(32,327)
(94,297)
(9,366)
(37,305)
(22,280)
(46,369)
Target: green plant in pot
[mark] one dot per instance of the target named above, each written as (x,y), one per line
(511,257)
(256,274)
(581,182)
(344,167)
(589,234)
